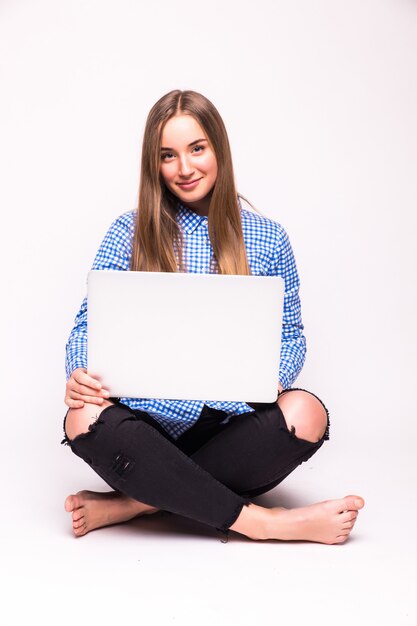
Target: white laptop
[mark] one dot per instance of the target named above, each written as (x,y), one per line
(185,336)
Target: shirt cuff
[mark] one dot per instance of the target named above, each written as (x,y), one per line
(79,360)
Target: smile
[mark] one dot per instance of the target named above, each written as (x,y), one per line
(190,185)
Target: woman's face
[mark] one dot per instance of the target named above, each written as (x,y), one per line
(188,163)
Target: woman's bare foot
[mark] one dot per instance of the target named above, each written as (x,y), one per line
(325,522)
(91,510)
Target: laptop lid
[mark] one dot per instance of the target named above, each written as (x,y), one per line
(185,336)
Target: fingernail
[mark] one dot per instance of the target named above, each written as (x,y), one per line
(105,393)
(358,503)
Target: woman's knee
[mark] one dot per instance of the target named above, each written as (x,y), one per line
(304,414)
(78,421)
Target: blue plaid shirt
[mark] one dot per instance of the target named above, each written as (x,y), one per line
(269,253)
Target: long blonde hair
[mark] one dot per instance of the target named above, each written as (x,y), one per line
(157,241)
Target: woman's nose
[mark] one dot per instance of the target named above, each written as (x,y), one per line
(185,168)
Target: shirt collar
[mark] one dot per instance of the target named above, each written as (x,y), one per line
(188,220)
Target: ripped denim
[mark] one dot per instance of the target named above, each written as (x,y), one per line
(209,473)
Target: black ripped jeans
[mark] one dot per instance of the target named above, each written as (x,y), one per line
(208,474)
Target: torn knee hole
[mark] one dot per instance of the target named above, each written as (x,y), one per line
(75,434)
(293,435)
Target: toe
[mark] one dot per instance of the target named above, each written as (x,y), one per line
(69,504)
(348,526)
(347,516)
(78,532)
(354,503)
(72,503)
(77,514)
(348,504)
(78,523)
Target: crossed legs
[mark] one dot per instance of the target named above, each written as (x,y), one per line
(305,417)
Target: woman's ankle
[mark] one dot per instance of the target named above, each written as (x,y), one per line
(252,522)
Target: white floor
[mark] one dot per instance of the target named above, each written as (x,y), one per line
(173,570)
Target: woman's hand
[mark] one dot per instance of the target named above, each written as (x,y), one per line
(83,388)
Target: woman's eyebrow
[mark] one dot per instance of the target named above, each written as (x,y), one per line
(189,145)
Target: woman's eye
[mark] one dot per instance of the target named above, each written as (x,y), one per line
(198,148)
(166,155)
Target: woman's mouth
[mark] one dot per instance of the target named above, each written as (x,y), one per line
(190,184)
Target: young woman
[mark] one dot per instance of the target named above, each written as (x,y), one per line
(201,460)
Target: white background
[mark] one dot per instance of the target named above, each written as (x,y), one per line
(320,100)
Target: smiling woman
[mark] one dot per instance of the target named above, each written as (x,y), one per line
(189,168)
(201,459)
(186,157)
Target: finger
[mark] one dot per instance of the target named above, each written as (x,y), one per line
(85,398)
(82,378)
(73,404)
(84,390)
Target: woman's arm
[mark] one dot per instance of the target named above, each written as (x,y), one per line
(293,342)
(114,254)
